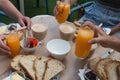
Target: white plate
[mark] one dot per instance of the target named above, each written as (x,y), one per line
(4,28)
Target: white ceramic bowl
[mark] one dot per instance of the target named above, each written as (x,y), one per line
(58,48)
(28,50)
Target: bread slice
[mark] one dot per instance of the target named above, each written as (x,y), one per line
(27,63)
(40,67)
(77,24)
(92,63)
(53,68)
(15,63)
(111,70)
(118,71)
(100,68)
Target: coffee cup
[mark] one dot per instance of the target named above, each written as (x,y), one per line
(39,31)
(67,31)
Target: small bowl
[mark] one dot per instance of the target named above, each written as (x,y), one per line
(58,48)
(28,49)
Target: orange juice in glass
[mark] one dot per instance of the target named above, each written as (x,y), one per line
(63,12)
(82,47)
(13,42)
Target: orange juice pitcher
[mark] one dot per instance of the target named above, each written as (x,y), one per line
(63,12)
(82,47)
(13,42)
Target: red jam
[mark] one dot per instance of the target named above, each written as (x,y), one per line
(32,42)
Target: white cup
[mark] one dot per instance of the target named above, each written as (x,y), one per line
(67,31)
(58,48)
(39,31)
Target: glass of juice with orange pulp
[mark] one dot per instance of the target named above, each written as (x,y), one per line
(82,47)
(63,12)
(13,43)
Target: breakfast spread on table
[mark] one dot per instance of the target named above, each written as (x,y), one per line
(46,68)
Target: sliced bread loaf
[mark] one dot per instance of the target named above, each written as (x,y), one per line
(100,68)
(53,68)
(40,67)
(111,70)
(27,63)
(15,63)
(92,63)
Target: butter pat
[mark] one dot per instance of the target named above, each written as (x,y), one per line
(2,30)
(14,76)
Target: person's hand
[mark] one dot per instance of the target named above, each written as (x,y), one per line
(25,21)
(102,38)
(56,8)
(4,49)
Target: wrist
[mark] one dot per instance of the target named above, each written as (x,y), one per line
(19,17)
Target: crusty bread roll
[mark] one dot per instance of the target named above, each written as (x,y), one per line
(111,70)
(92,63)
(100,68)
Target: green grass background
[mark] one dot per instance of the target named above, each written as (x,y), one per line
(31,10)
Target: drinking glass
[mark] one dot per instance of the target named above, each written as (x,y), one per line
(63,12)
(13,42)
(82,47)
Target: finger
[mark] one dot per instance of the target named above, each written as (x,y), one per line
(21,28)
(58,2)
(5,52)
(28,22)
(22,23)
(55,11)
(94,27)
(4,46)
(89,24)
(100,31)
(94,40)
(2,37)
(56,8)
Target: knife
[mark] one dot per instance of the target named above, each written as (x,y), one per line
(107,53)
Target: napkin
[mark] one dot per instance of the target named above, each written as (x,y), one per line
(81,73)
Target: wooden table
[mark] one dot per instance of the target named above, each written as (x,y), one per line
(71,62)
